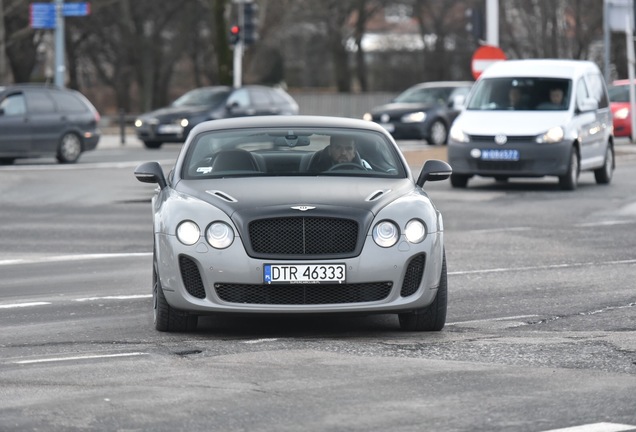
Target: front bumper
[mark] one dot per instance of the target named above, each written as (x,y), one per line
(203,280)
(534,160)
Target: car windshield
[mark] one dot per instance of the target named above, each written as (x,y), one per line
(526,94)
(618,93)
(425,95)
(292,152)
(198,97)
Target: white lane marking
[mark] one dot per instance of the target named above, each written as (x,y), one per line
(19,305)
(543,267)
(86,357)
(596,427)
(80,166)
(120,297)
(494,230)
(510,318)
(603,223)
(80,257)
(255,341)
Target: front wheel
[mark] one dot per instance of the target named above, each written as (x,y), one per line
(570,180)
(604,174)
(433,316)
(152,144)
(166,318)
(459,180)
(438,133)
(70,148)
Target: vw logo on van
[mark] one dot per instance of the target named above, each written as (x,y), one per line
(501,139)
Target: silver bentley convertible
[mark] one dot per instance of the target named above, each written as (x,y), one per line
(295,215)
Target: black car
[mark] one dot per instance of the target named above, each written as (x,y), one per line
(43,120)
(173,123)
(424,111)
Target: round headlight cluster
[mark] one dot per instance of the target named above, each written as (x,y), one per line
(188,233)
(219,235)
(387,233)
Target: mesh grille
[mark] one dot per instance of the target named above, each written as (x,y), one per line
(413,276)
(303,294)
(191,277)
(490,139)
(303,236)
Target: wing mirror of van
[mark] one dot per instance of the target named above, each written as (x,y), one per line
(457,102)
(588,104)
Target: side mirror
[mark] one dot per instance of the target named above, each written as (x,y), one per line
(457,102)
(151,172)
(434,170)
(588,104)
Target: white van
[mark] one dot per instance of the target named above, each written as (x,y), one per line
(514,125)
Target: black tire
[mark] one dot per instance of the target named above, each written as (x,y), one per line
(152,144)
(604,174)
(433,316)
(166,318)
(437,133)
(501,179)
(459,180)
(570,180)
(70,148)
(6,161)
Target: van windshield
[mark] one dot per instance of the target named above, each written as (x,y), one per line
(522,93)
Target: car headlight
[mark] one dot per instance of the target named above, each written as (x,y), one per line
(367,117)
(184,122)
(386,234)
(415,231)
(138,123)
(457,134)
(219,235)
(416,117)
(553,135)
(188,233)
(622,113)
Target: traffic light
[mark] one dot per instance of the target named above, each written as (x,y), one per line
(235,34)
(250,23)
(475,23)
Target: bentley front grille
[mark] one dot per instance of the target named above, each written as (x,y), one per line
(303,236)
(303,294)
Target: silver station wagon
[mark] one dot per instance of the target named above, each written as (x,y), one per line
(295,215)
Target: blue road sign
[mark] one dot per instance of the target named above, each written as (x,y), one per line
(42,15)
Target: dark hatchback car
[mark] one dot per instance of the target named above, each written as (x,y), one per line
(42,120)
(424,111)
(173,123)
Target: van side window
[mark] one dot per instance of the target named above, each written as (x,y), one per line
(13,105)
(597,89)
(581,92)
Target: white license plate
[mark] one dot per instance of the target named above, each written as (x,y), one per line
(304,273)
(390,127)
(500,155)
(170,129)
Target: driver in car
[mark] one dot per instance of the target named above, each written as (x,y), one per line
(341,150)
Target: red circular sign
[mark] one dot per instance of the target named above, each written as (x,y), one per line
(485,56)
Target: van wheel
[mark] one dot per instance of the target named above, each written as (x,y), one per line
(152,144)
(459,180)
(70,148)
(570,180)
(6,161)
(604,174)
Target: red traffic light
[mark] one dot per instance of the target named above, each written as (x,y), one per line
(235,30)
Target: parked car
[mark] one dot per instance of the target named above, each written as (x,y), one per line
(173,123)
(515,125)
(424,111)
(43,120)
(621,108)
(254,220)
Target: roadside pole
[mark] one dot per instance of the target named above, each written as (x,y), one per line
(238,47)
(492,22)
(60,66)
(629,42)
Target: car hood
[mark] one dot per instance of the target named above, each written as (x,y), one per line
(401,107)
(279,194)
(519,123)
(176,112)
